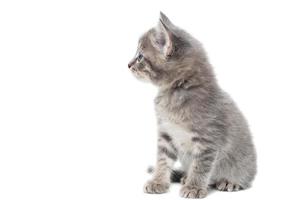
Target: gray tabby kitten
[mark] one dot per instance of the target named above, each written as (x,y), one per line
(198,123)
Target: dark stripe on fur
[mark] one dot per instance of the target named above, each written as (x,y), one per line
(166,136)
(168,139)
(165,151)
(201,140)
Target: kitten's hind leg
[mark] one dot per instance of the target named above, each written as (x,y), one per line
(228,186)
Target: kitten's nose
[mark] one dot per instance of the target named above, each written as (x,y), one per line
(130,64)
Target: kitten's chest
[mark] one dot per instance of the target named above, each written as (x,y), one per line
(170,120)
(181,138)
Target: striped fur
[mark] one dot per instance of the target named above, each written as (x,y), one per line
(198,123)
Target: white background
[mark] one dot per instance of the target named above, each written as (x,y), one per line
(75,123)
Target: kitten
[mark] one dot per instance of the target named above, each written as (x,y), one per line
(198,123)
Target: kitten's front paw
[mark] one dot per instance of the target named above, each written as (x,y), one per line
(188,191)
(154,187)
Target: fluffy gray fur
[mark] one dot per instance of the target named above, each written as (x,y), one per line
(198,123)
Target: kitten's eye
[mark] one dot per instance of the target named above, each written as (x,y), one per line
(140,57)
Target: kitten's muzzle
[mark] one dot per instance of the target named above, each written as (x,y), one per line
(131,63)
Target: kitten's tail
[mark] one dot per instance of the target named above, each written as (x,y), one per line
(176,175)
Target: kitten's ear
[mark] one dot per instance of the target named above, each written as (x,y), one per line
(165,20)
(164,38)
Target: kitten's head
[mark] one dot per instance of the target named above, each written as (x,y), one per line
(161,53)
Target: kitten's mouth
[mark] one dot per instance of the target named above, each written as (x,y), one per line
(137,74)
(132,69)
